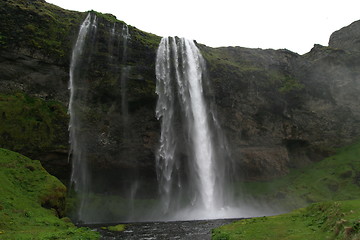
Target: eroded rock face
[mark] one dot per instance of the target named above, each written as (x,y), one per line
(347,38)
(281,110)
(24,73)
(278,109)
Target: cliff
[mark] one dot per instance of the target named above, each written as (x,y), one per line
(36,44)
(278,109)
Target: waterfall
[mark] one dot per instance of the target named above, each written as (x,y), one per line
(80,173)
(125,36)
(165,159)
(123,80)
(124,101)
(192,161)
(192,155)
(113,30)
(112,40)
(85,139)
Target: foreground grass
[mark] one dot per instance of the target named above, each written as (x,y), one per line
(327,220)
(334,178)
(334,183)
(32,202)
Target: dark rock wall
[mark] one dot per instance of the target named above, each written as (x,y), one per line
(35,63)
(347,38)
(282,110)
(278,109)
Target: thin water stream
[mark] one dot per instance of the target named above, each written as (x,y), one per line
(183,230)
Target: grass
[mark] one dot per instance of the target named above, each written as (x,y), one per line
(146,40)
(32,202)
(327,220)
(333,183)
(334,178)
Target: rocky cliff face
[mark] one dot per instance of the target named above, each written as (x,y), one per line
(347,38)
(283,110)
(278,109)
(36,46)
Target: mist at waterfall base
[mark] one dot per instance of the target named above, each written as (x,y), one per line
(196,176)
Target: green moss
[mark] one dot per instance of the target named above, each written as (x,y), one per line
(116,228)
(290,84)
(31,202)
(2,41)
(107,16)
(221,59)
(38,26)
(144,39)
(328,220)
(30,125)
(334,178)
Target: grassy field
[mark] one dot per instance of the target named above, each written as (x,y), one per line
(331,190)
(326,220)
(32,202)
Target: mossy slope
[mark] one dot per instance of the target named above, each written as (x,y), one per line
(334,178)
(39,27)
(31,125)
(328,220)
(31,202)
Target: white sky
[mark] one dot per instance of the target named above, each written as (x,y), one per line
(293,24)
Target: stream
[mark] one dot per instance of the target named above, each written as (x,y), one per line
(194,230)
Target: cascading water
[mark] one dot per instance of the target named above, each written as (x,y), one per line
(80,173)
(112,39)
(123,80)
(192,159)
(86,137)
(125,36)
(193,163)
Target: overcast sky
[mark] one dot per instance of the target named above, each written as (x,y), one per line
(293,24)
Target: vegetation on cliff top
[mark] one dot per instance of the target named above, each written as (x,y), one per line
(262,65)
(38,27)
(32,202)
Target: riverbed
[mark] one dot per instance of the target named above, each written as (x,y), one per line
(187,230)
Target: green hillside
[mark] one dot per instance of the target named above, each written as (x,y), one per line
(32,202)
(334,183)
